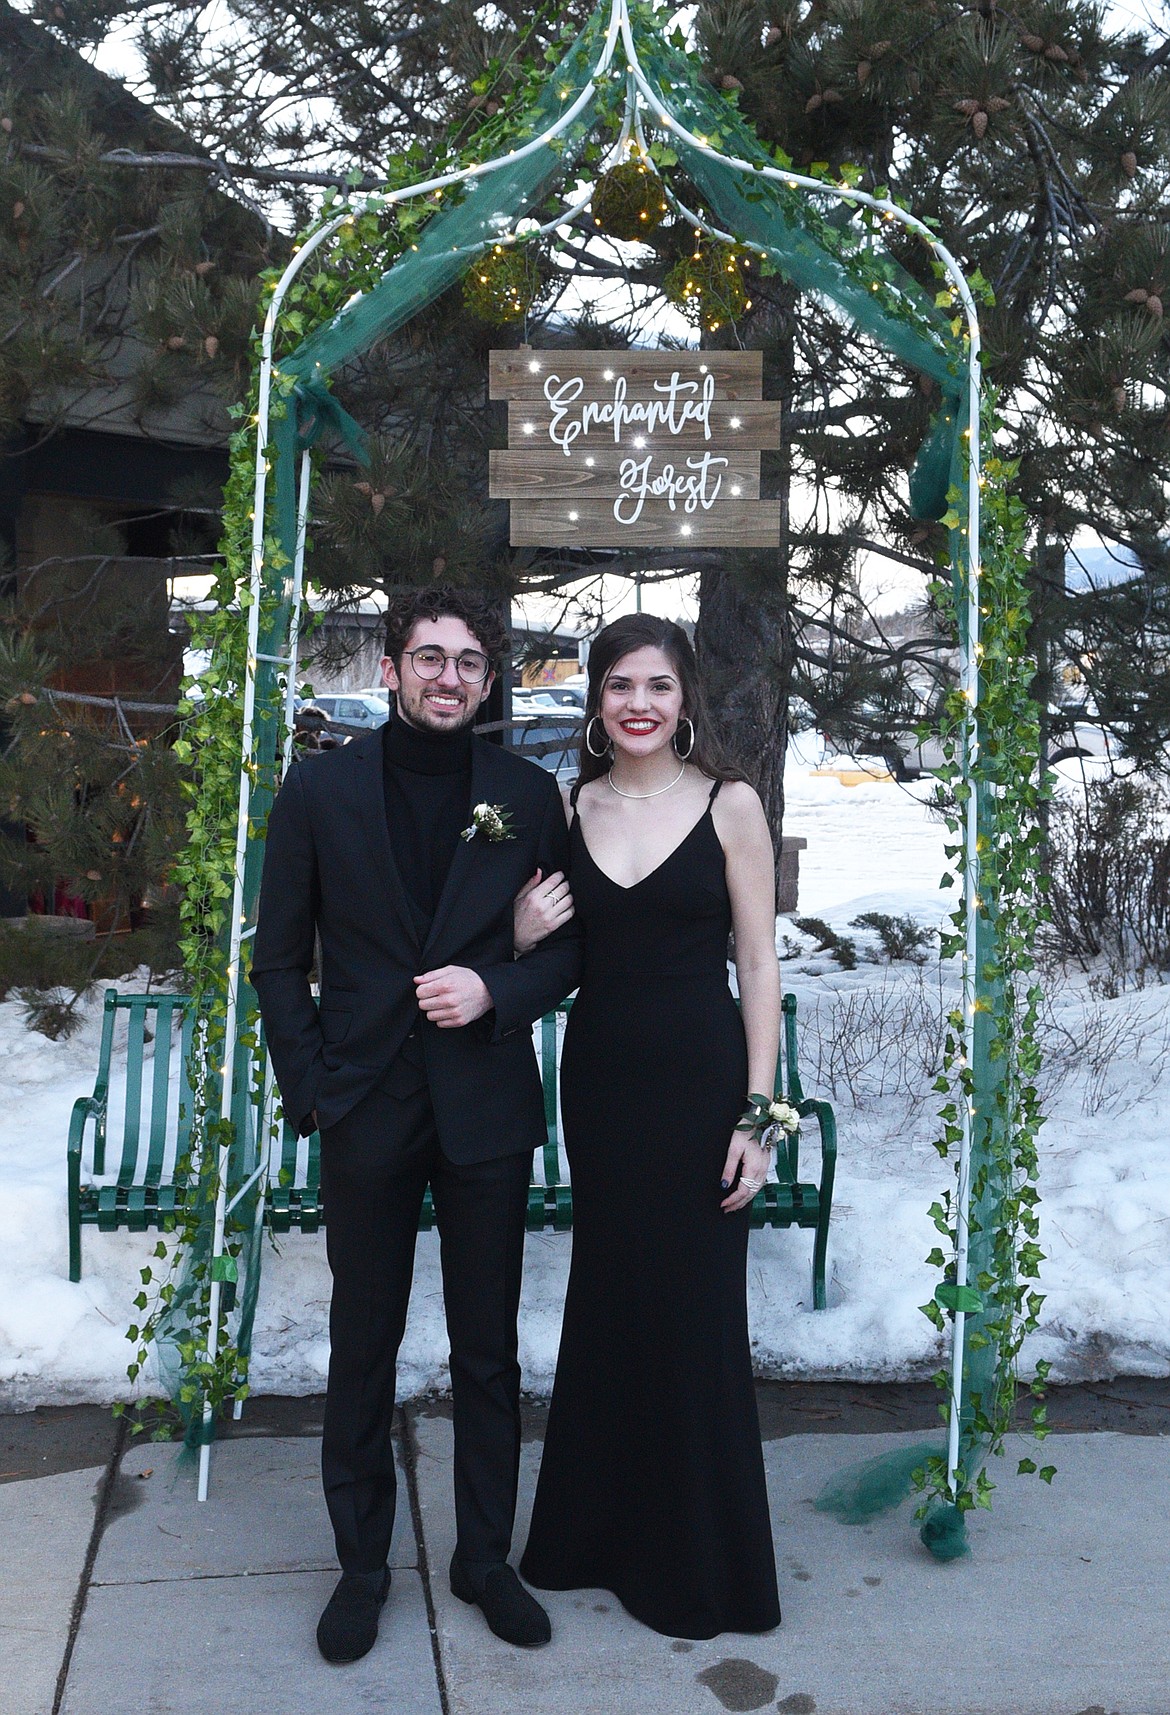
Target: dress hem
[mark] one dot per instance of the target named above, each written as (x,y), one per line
(643,1619)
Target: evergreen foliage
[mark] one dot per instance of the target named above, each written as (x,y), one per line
(126,301)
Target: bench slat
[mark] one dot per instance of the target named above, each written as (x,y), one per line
(160,1088)
(186,1096)
(131,1131)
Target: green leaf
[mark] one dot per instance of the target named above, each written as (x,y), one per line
(953,1297)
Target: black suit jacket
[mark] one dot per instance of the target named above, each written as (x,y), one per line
(329,870)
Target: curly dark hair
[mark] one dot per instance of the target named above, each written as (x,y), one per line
(480,614)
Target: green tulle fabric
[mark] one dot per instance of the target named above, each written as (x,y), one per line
(875,1486)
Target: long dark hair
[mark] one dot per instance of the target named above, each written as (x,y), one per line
(641,631)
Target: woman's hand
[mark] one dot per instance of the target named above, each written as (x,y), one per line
(540,907)
(752,1163)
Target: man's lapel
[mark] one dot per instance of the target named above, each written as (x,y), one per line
(367,752)
(457,889)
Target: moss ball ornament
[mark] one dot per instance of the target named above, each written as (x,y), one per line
(629,201)
(708,286)
(503,284)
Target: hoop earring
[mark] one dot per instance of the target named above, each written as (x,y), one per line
(683,754)
(606,747)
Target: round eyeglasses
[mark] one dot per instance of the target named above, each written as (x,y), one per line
(429,662)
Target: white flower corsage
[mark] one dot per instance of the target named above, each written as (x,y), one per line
(784,1115)
(492,821)
(765,1118)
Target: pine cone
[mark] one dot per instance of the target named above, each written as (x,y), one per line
(729,82)
(863,70)
(1057,53)
(1129,164)
(878,49)
(375,496)
(813,102)
(1137,296)
(211,345)
(979,123)
(1119,398)
(438,565)
(967,107)
(1034,44)
(1154,305)
(176,342)
(203,269)
(774,34)
(6,125)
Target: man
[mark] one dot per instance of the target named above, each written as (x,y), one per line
(403,851)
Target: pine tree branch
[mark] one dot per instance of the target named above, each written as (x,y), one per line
(118,704)
(204,164)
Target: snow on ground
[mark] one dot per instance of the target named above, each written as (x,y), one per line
(868,1042)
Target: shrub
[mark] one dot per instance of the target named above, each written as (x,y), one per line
(841,947)
(1109,884)
(900,937)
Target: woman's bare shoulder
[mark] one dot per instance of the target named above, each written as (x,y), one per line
(739,818)
(737,801)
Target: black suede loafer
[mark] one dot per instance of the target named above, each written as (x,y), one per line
(506,1605)
(348,1628)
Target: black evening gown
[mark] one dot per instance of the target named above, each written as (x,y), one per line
(652,1482)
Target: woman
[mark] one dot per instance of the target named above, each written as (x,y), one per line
(652,1482)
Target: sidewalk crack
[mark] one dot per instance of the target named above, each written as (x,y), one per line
(410,1456)
(105,1495)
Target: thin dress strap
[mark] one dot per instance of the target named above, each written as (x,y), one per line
(714,793)
(573,791)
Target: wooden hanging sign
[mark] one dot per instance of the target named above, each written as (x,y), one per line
(616,449)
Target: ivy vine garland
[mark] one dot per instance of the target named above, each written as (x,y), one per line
(709,287)
(1005,776)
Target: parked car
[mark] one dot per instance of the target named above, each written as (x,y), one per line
(541,728)
(359,711)
(567,696)
(546,697)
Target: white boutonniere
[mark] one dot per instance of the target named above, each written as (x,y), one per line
(493,821)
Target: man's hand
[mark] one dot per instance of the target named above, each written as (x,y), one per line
(452,997)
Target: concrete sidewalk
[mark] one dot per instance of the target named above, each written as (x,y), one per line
(154,1603)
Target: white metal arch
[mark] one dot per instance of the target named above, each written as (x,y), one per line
(641,98)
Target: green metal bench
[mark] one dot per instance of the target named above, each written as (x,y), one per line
(149,1187)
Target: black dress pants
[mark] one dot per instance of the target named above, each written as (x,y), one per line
(375,1167)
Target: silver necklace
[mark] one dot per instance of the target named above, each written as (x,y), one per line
(658,790)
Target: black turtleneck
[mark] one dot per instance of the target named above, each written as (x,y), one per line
(428,804)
